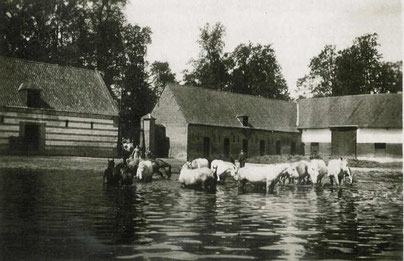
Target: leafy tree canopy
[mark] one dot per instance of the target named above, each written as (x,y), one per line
(249,69)
(161,75)
(358,69)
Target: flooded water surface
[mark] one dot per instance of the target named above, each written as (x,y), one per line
(70,215)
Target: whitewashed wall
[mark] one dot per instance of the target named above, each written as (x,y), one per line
(370,135)
(316,135)
(379,136)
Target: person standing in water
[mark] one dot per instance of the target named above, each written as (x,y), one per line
(242,157)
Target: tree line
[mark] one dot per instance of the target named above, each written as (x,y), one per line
(95,34)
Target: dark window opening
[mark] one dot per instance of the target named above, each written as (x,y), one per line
(262,147)
(33,98)
(314,148)
(278,147)
(380,146)
(92,125)
(245,121)
(206,147)
(238,138)
(234,138)
(245,146)
(226,147)
(380,149)
(67,123)
(1,119)
(293,148)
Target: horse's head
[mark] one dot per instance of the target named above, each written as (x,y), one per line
(187,165)
(111,164)
(346,170)
(127,146)
(292,172)
(233,170)
(312,170)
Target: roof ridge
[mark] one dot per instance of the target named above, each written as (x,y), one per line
(351,95)
(232,93)
(48,63)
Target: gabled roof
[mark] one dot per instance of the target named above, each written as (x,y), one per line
(62,88)
(368,110)
(218,108)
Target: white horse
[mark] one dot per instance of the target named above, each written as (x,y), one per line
(199,163)
(269,175)
(290,173)
(145,171)
(202,177)
(222,168)
(306,169)
(338,170)
(280,172)
(321,166)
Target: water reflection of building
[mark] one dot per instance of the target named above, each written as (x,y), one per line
(55,110)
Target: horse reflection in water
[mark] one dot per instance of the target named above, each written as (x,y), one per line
(127,210)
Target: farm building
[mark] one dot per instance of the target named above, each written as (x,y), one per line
(359,125)
(190,122)
(48,109)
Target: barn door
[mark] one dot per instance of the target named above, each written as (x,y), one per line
(343,142)
(206,147)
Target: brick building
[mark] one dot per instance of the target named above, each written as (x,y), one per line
(198,122)
(55,110)
(357,125)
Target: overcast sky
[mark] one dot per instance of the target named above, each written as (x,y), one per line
(296,29)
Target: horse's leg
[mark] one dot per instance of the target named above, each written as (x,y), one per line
(332,180)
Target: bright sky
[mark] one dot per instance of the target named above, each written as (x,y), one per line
(296,29)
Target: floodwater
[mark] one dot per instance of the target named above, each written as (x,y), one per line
(70,215)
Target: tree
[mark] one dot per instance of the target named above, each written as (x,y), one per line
(357,69)
(161,75)
(255,70)
(209,70)
(322,77)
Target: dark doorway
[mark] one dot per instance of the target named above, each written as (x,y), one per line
(226,147)
(262,147)
(206,147)
(293,148)
(278,147)
(32,137)
(245,146)
(343,142)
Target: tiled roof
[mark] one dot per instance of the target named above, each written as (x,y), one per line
(218,108)
(369,110)
(62,88)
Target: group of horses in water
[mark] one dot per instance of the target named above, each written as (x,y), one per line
(204,174)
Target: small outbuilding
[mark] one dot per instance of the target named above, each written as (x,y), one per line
(47,109)
(357,126)
(189,122)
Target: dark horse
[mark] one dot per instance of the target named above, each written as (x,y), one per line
(110,175)
(159,165)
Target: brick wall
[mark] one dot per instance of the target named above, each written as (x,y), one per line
(216,136)
(168,114)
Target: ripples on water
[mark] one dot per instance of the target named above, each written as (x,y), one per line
(70,215)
